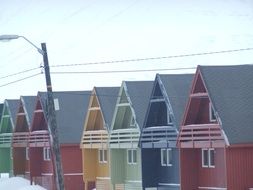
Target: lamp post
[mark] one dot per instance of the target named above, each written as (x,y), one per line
(54,141)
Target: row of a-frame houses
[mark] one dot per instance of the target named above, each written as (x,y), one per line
(180,131)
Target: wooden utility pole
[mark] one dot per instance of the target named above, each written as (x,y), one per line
(53,132)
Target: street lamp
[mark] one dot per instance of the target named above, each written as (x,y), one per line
(54,141)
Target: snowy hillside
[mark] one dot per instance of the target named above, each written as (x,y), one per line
(17,183)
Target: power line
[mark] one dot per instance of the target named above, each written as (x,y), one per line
(21,72)
(31,76)
(156,58)
(121,71)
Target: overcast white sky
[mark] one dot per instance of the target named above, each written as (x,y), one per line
(83,31)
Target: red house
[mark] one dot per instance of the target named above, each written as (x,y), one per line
(70,109)
(216,136)
(20,139)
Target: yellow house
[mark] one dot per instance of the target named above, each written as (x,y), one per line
(95,138)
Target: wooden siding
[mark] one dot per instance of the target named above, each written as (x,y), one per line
(72,168)
(188,168)
(194,176)
(93,170)
(118,161)
(239,168)
(5,160)
(5,140)
(19,161)
(153,173)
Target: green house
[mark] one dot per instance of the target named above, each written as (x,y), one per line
(125,131)
(7,124)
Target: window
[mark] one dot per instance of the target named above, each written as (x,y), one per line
(102,155)
(208,158)
(131,156)
(27,153)
(132,122)
(46,153)
(212,116)
(166,157)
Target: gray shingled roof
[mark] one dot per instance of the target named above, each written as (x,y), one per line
(177,88)
(230,89)
(70,117)
(139,93)
(107,97)
(29,106)
(13,110)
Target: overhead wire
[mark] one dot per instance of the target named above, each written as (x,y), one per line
(156,58)
(120,71)
(31,76)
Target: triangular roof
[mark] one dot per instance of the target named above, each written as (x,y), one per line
(138,93)
(11,107)
(107,97)
(176,91)
(26,106)
(70,116)
(230,89)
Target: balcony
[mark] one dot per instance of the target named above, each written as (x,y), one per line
(39,138)
(158,137)
(20,139)
(5,139)
(201,136)
(95,139)
(124,138)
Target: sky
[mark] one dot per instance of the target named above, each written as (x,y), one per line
(85,35)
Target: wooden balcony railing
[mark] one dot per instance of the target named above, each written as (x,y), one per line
(20,139)
(158,133)
(201,135)
(39,138)
(94,138)
(5,139)
(124,136)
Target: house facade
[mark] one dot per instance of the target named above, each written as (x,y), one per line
(160,156)
(215,139)
(126,126)
(95,139)
(21,133)
(7,124)
(70,107)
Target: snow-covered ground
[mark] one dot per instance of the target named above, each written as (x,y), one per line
(18,183)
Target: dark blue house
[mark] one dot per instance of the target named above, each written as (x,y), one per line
(160,157)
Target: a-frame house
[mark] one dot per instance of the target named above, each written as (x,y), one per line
(7,124)
(71,107)
(95,139)
(215,140)
(127,123)
(21,133)
(160,156)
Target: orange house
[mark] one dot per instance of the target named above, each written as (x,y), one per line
(94,143)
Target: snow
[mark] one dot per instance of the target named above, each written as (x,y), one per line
(18,183)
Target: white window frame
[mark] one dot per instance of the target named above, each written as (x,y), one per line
(102,156)
(27,153)
(130,154)
(46,154)
(169,119)
(212,116)
(209,164)
(168,157)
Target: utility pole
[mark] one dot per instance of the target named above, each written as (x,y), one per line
(54,139)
